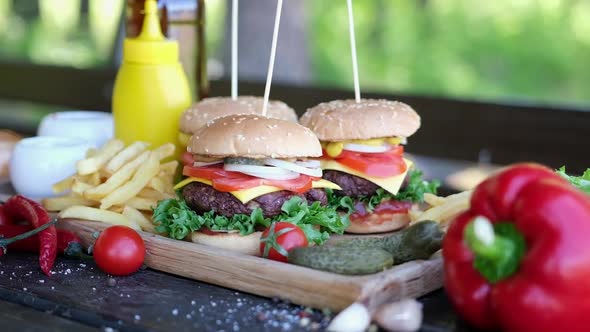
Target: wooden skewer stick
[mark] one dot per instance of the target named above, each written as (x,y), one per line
(234,50)
(355,69)
(273,50)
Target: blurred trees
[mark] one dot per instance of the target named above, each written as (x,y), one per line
(255,27)
(527,49)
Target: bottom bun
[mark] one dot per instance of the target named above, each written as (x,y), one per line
(378,223)
(248,245)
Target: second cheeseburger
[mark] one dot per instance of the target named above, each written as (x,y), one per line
(248,172)
(363,153)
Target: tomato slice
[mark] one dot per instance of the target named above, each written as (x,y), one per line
(211,172)
(299,185)
(386,207)
(385,164)
(187,158)
(233,184)
(375,166)
(225,181)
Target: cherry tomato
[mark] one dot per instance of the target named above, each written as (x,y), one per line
(119,251)
(278,239)
(384,164)
(231,181)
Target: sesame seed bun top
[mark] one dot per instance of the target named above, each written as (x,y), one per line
(254,136)
(342,120)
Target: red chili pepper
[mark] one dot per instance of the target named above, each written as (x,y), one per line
(4,219)
(66,240)
(19,207)
(519,258)
(29,244)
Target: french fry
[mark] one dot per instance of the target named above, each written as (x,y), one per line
(92,179)
(117,185)
(116,208)
(152,194)
(94,214)
(140,179)
(61,203)
(138,217)
(414,214)
(165,151)
(157,184)
(453,205)
(79,187)
(169,168)
(433,200)
(91,152)
(63,185)
(102,156)
(127,154)
(142,203)
(118,178)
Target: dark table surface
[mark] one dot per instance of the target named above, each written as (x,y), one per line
(79,297)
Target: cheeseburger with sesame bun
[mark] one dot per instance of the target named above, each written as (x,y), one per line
(211,108)
(248,172)
(363,153)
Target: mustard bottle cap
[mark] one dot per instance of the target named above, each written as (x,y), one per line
(150,47)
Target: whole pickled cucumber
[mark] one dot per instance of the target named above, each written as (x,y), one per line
(341,260)
(418,241)
(361,243)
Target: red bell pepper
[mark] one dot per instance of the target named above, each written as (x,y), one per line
(519,258)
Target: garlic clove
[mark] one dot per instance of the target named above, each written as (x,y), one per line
(402,316)
(355,318)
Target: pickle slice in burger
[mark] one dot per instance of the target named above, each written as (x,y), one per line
(250,171)
(363,153)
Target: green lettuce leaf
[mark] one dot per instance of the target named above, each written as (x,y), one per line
(416,188)
(174,217)
(414,191)
(580,182)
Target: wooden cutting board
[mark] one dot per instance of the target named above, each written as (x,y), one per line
(268,278)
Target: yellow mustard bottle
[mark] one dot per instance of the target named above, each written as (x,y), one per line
(151,89)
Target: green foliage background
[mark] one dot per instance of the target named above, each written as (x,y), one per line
(504,49)
(537,50)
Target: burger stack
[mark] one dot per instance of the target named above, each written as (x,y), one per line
(341,168)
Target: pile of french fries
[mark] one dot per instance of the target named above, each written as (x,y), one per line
(117,184)
(442,209)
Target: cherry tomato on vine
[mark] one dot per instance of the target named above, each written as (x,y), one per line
(279,238)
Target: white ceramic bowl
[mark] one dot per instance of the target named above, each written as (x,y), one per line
(95,127)
(39,162)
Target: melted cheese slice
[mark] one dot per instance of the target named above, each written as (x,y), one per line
(246,195)
(391,184)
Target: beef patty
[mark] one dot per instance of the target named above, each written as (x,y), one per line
(351,185)
(203,198)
